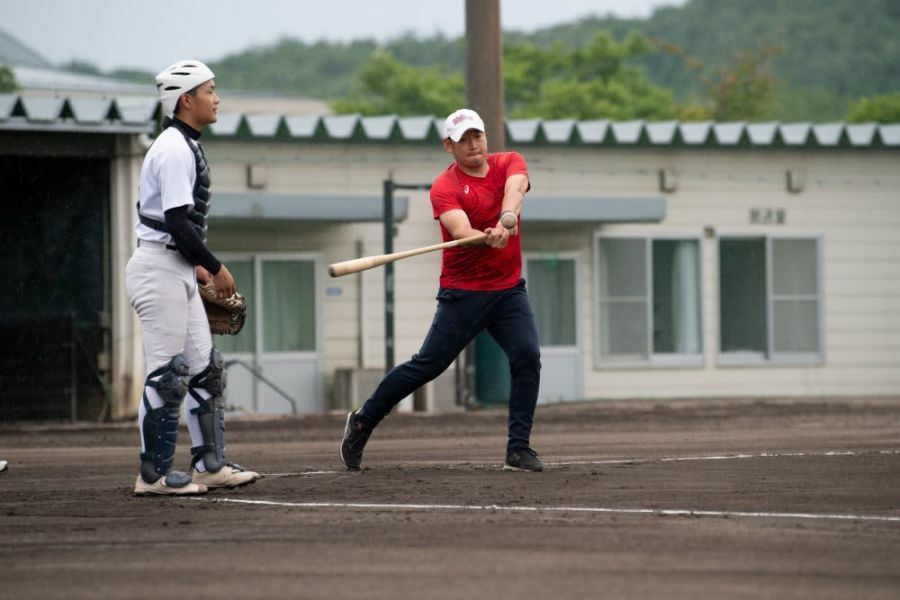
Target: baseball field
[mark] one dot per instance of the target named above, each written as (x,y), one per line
(645,499)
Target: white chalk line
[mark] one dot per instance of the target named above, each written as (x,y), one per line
(656,512)
(301,474)
(632,461)
(828,453)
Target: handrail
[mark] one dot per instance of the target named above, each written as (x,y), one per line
(260,376)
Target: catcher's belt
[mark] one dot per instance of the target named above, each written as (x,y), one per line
(226,315)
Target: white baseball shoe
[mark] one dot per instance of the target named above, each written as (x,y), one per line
(3,464)
(175,483)
(229,476)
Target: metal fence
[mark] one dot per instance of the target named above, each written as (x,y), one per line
(48,373)
(38,375)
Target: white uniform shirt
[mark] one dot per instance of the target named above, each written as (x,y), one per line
(167,181)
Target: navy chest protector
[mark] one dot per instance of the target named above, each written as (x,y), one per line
(202,196)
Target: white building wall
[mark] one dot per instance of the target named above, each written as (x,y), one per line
(850,200)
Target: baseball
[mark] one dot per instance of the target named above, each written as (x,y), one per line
(508,220)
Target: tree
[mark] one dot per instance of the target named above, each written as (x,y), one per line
(745,90)
(7,80)
(880,109)
(388,86)
(590,82)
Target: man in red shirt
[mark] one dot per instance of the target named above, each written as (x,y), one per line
(480,288)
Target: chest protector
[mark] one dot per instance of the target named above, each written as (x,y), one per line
(201,194)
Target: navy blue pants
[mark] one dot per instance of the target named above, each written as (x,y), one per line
(461,315)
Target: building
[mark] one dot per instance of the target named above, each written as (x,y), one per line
(663,259)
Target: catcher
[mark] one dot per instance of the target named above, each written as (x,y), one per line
(161,281)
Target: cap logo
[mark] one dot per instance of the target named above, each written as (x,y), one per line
(460,118)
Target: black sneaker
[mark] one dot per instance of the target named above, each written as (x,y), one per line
(356,434)
(522,459)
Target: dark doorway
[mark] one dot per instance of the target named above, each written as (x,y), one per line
(54,241)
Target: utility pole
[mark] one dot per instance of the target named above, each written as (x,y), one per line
(484,68)
(484,94)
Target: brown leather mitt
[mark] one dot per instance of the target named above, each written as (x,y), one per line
(226,315)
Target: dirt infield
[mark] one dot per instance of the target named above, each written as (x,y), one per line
(713,499)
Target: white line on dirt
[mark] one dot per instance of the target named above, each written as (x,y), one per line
(574,509)
(632,461)
(302,473)
(618,461)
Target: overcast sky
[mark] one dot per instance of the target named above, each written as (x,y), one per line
(151,34)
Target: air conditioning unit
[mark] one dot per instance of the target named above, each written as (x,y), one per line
(353,386)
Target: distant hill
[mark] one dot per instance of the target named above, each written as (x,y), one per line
(832,51)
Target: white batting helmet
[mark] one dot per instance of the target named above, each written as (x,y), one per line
(178,79)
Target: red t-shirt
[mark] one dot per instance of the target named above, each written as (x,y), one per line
(479,267)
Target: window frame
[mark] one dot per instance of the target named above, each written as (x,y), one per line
(771,357)
(257,259)
(652,360)
(576,259)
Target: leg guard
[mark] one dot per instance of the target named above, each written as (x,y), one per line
(210,413)
(160,425)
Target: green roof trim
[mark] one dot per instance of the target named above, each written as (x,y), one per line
(141,114)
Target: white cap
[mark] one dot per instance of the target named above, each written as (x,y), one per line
(460,122)
(178,79)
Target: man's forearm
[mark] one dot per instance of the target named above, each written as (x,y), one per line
(514,194)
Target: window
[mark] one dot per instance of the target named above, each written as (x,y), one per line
(551,290)
(245,341)
(289,305)
(648,300)
(769,299)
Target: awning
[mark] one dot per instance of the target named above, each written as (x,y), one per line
(602,209)
(304,207)
(357,209)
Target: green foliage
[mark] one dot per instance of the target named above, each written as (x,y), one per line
(832,52)
(319,70)
(388,86)
(804,104)
(590,82)
(7,80)
(423,52)
(880,109)
(745,91)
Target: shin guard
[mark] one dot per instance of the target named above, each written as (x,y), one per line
(159,427)
(210,413)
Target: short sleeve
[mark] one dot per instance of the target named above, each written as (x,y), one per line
(516,164)
(176,177)
(444,196)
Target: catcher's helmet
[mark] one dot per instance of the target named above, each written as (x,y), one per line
(178,79)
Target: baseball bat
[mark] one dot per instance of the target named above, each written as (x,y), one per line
(368,262)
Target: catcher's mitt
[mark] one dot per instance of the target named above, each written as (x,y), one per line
(226,315)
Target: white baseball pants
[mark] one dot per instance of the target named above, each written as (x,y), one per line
(162,287)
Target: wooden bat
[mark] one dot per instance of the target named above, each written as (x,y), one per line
(368,262)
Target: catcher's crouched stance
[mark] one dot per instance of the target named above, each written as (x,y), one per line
(162,285)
